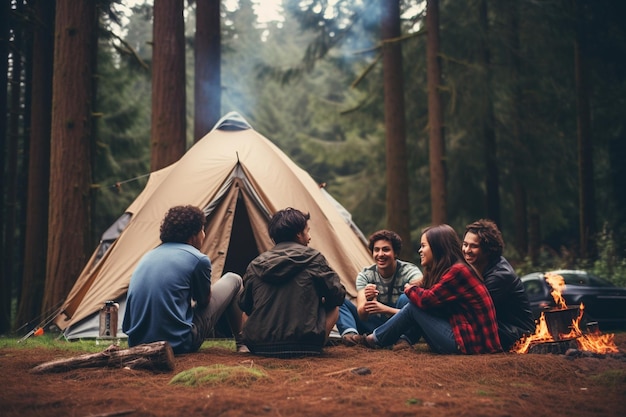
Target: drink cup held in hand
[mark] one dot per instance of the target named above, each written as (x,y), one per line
(371,292)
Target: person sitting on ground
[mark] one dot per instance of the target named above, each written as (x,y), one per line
(291,295)
(380,290)
(451,308)
(170,279)
(482,248)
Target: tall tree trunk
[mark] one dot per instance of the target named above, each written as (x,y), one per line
(520,214)
(208,80)
(398,215)
(35,249)
(4,54)
(13,138)
(585,146)
(70,156)
(438,190)
(168,84)
(492,179)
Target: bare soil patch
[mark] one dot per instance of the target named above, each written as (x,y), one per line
(401,383)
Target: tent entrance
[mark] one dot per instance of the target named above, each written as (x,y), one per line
(242,248)
(236,228)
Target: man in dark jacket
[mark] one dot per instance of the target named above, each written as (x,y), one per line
(482,248)
(291,295)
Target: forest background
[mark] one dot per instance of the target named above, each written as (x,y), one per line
(411,112)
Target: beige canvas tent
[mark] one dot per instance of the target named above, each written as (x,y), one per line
(239,178)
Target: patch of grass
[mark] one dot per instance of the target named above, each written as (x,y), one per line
(218,374)
(614,378)
(484,393)
(219,343)
(414,401)
(50,341)
(521,384)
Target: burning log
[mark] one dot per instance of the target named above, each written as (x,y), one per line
(558,347)
(156,356)
(563,325)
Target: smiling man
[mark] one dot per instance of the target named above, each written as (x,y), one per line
(482,248)
(380,290)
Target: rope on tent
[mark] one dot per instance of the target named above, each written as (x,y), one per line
(118,184)
(38,330)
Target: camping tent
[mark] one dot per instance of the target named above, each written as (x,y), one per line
(240,179)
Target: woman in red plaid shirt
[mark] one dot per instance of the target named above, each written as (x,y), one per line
(451,308)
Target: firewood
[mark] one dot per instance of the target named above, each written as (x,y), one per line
(156,356)
(558,347)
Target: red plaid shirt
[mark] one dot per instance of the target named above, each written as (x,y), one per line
(464,297)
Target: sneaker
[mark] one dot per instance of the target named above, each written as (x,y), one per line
(241,348)
(351,339)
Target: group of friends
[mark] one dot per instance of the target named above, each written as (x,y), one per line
(465,299)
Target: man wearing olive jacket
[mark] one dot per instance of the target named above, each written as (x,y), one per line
(482,248)
(291,295)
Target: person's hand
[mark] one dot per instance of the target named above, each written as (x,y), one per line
(408,286)
(375,307)
(370,292)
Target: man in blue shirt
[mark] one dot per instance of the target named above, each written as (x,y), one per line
(170,296)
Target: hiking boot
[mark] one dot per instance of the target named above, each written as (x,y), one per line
(402,344)
(240,346)
(368,341)
(351,339)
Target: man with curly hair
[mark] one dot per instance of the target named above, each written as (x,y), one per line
(380,291)
(170,296)
(482,248)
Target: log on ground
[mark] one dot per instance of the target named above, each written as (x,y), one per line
(156,356)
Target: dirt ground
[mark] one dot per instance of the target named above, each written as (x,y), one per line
(401,383)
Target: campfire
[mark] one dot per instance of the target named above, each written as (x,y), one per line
(559,329)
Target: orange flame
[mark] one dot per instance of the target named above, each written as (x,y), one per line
(591,342)
(542,334)
(558,285)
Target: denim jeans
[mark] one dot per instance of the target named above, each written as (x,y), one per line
(349,320)
(436,330)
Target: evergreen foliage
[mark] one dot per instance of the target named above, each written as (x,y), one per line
(312,83)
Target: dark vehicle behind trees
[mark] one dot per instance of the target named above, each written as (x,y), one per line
(603,302)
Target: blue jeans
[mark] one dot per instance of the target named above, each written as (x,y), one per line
(436,330)
(349,321)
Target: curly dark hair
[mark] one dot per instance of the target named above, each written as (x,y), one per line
(181,223)
(286,224)
(490,238)
(393,237)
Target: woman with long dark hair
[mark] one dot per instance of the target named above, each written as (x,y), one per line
(451,307)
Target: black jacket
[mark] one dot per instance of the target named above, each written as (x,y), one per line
(287,291)
(515,318)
